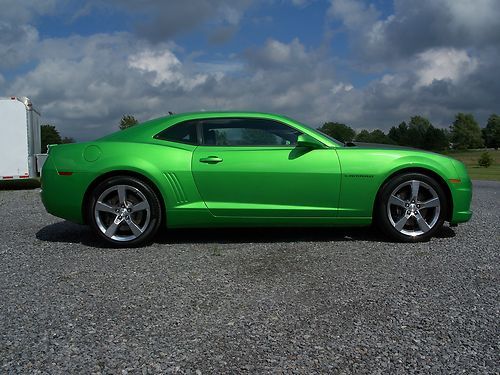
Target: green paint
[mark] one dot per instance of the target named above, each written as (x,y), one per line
(318,182)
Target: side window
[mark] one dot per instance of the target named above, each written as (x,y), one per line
(183,132)
(247,132)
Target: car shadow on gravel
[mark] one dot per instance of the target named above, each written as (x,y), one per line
(288,234)
(27,184)
(67,232)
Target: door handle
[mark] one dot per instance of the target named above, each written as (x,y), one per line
(211,160)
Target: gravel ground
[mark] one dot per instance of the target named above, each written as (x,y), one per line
(248,301)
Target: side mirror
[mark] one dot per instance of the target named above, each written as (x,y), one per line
(305,140)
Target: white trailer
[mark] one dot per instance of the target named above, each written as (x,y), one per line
(20,139)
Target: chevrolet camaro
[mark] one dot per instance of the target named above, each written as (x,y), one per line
(227,169)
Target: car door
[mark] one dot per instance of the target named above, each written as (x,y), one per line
(251,167)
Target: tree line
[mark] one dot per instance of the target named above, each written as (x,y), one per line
(464,133)
(50,135)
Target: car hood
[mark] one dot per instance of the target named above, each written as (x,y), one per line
(380,146)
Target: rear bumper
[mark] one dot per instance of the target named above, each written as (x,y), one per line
(62,195)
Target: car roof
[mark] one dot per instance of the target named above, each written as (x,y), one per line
(144,131)
(211,114)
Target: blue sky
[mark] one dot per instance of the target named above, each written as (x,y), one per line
(370,64)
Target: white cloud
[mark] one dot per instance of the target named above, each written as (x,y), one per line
(444,63)
(18,37)
(473,16)
(354,14)
(165,68)
(417,26)
(160,20)
(16,44)
(279,54)
(84,84)
(22,11)
(341,87)
(218,68)
(231,15)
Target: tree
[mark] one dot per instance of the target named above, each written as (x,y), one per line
(127,121)
(49,136)
(363,136)
(378,136)
(435,139)
(375,136)
(491,133)
(396,132)
(338,131)
(419,133)
(399,134)
(66,140)
(485,160)
(417,130)
(465,132)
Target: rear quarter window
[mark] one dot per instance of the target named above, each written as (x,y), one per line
(183,132)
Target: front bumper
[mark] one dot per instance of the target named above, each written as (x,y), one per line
(462,197)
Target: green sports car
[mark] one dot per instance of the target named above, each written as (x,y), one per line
(226,169)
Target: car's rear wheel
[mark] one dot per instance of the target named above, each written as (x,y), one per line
(411,207)
(124,211)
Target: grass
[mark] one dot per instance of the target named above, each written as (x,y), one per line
(470,159)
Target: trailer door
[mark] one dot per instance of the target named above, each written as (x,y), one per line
(13,139)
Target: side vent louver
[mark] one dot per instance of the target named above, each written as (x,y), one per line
(180,196)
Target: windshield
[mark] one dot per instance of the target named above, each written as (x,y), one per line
(329,137)
(336,141)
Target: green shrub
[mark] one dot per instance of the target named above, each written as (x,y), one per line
(485,160)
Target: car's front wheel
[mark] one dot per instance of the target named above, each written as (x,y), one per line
(411,207)
(124,211)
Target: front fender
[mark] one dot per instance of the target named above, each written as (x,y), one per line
(364,171)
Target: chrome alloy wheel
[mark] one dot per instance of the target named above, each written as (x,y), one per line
(413,208)
(122,213)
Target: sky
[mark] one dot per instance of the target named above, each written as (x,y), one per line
(369,64)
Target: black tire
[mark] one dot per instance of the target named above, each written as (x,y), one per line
(124,211)
(396,206)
